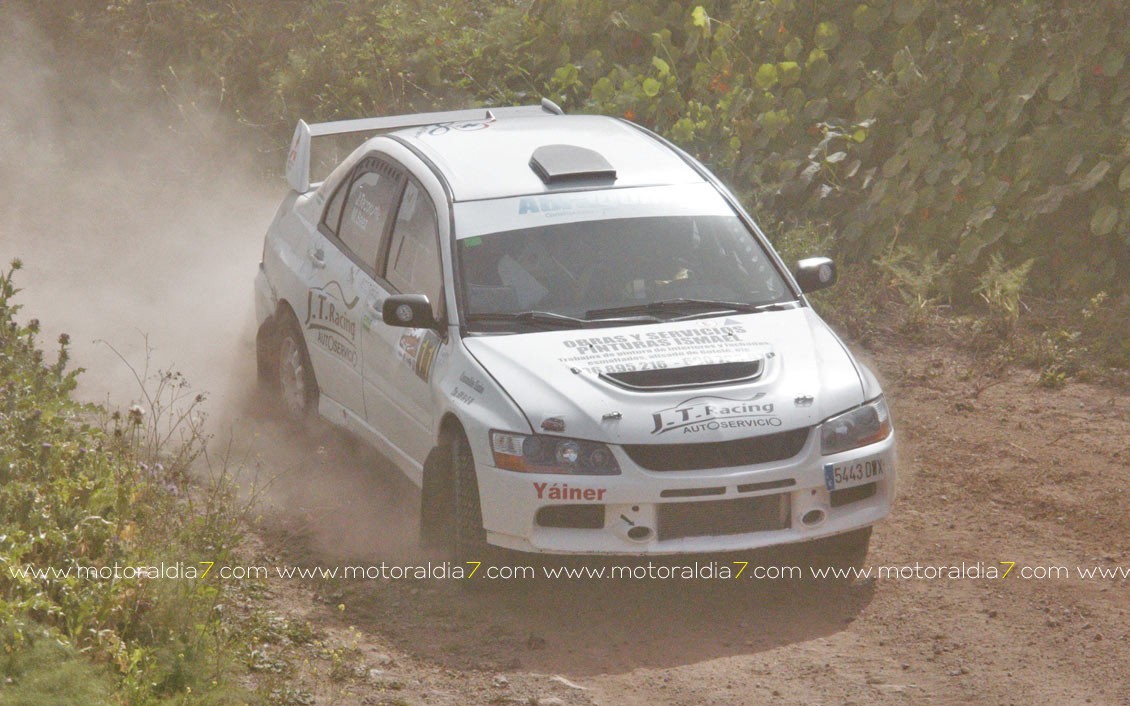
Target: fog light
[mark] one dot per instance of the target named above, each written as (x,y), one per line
(812,517)
(638,534)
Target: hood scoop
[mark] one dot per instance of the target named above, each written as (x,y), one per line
(693,376)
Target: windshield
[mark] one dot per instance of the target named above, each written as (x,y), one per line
(627,270)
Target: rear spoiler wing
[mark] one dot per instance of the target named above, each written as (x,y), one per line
(298,158)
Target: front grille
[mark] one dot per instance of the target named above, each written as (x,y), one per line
(718,454)
(691,492)
(571,516)
(722,517)
(766,485)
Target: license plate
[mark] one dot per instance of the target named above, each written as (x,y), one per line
(852,473)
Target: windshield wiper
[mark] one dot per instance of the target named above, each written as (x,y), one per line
(551,319)
(681,306)
(546,318)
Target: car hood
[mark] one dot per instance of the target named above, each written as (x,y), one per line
(692,381)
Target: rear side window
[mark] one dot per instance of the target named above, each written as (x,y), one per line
(333,211)
(369,203)
(413,254)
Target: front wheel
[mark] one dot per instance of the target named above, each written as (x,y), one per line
(469,540)
(843,552)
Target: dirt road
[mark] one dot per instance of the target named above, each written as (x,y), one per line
(1015,479)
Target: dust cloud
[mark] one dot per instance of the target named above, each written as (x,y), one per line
(139,218)
(138,223)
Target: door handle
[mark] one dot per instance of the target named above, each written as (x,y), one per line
(318,257)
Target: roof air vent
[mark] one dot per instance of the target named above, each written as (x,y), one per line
(556,164)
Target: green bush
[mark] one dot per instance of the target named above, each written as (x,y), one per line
(88,501)
(968,130)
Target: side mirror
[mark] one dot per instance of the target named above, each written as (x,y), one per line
(815,273)
(408,311)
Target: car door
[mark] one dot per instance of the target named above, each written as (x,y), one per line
(349,238)
(398,397)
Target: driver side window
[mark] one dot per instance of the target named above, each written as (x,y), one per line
(413,262)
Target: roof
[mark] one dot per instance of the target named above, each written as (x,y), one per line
(492,159)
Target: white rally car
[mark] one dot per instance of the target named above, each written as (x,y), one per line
(571,336)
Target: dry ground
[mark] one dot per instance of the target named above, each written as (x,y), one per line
(991,471)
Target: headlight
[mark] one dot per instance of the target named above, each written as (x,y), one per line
(859,427)
(537,453)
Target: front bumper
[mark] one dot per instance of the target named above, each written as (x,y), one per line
(641,512)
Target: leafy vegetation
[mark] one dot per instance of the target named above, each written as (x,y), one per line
(953,130)
(96,511)
(987,145)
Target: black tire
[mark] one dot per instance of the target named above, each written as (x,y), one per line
(437,499)
(296,386)
(469,541)
(266,355)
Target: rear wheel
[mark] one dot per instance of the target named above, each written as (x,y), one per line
(298,390)
(266,350)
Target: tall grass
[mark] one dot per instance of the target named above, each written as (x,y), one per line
(96,506)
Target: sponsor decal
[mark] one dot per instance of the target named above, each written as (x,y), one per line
(439,129)
(417,349)
(707,413)
(564,491)
(626,342)
(581,202)
(804,400)
(471,382)
(329,317)
(292,156)
(363,209)
(459,395)
(703,343)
